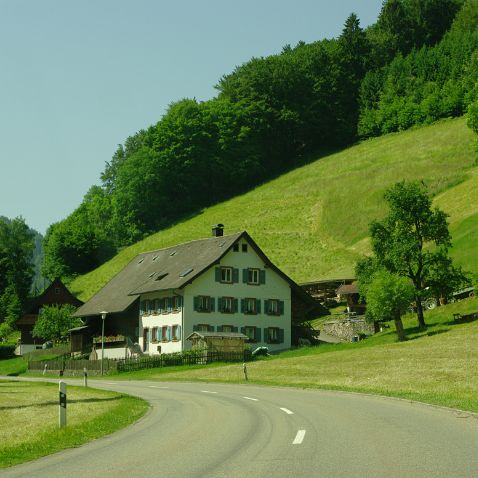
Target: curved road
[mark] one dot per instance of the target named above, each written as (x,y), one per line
(196,430)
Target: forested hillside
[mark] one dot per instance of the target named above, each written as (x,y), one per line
(417,64)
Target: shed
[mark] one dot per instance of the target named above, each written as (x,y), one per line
(218,341)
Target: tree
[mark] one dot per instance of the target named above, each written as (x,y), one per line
(412,239)
(388,297)
(16,270)
(473,119)
(55,321)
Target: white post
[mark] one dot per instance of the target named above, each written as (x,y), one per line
(62,405)
(85,374)
(103,317)
(45,369)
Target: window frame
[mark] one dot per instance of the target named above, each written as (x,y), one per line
(226,270)
(250,300)
(275,340)
(269,308)
(254,328)
(229,310)
(251,271)
(229,327)
(204,299)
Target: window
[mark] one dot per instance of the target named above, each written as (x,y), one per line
(250,306)
(274,307)
(226,275)
(176,334)
(227,328)
(253,276)
(251,333)
(244,247)
(176,302)
(273,335)
(147,307)
(235,247)
(57,290)
(164,333)
(227,305)
(145,340)
(202,328)
(203,303)
(154,334)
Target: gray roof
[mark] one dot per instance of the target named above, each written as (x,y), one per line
(163,269)
(218,335)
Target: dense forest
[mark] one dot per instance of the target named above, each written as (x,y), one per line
(418,63)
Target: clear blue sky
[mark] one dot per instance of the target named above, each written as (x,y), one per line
(78,77)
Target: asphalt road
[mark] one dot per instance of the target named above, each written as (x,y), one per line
(213,430)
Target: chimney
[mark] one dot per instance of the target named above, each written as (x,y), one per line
(218,230)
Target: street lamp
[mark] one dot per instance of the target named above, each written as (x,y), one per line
(103,317)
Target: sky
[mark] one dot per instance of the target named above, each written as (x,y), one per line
(78,77)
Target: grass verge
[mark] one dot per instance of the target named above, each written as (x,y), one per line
(29,416)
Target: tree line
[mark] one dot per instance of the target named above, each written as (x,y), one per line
(417,63)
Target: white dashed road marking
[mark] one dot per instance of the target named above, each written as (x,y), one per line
(299,438)
(286,410)
(253,399)
(155,386)
(207,391)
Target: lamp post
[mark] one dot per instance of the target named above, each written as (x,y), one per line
(103,317)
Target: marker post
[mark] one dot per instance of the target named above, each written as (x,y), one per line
(62,405)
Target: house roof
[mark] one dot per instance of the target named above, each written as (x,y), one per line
(48,297)
(347,289)
(170,268)
(163,269)
(217,335)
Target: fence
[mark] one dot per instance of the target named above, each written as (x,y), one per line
(168,360)
(63,349)
(75,367)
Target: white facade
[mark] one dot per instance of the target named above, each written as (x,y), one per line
(241,281)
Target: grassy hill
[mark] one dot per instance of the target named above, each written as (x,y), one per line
(313,221)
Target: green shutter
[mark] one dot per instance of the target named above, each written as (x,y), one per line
(220,304)
(281,307)
(234,305)
(235,276)
(196,303)
(258,306)
(219,328)
(244,275)
(234,329)
(243,330)
(266,307)
(243,304)
(262,277)
(218,274)
(281,336)
(210,328)
(266,335)
(195,328)
(258,334)
(212,304)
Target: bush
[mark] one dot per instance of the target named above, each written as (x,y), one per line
(7,351)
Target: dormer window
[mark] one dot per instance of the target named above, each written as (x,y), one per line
(235,247)
(244,247)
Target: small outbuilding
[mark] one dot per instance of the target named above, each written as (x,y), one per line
(222,342)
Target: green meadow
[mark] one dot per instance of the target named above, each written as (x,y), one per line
(313,221)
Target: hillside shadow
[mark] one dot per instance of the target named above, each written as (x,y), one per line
(55,402)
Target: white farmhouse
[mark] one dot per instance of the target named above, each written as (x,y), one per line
(220,284)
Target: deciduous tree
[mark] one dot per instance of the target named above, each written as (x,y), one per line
(54,322)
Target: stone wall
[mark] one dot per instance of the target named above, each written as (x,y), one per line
(345,329)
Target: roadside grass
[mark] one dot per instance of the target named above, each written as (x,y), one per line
(437,365)
(29,417)
(13,366)
(313,221)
